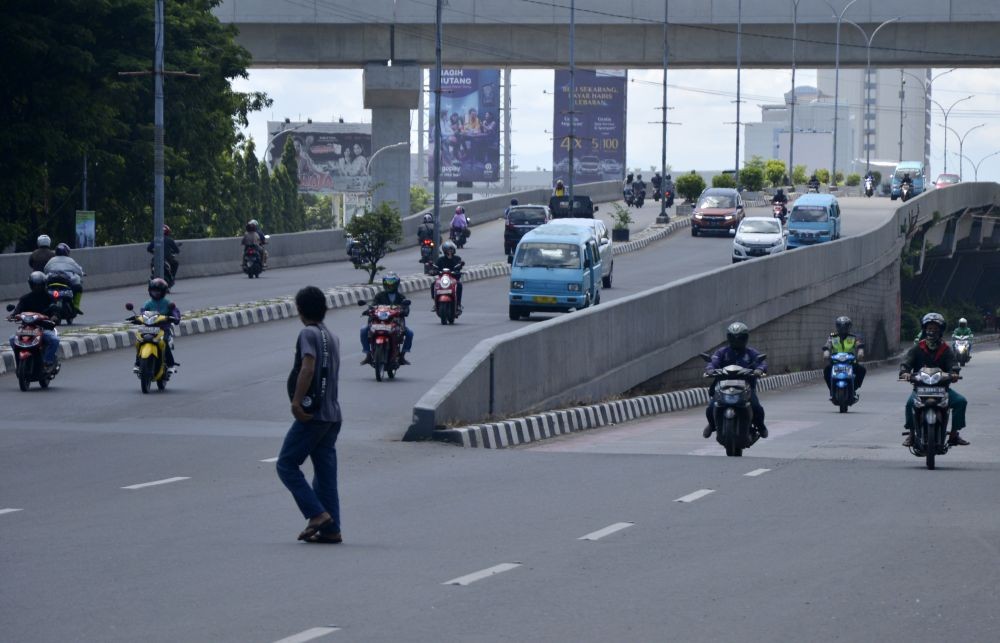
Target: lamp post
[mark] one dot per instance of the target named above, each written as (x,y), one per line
(572,97)
(739,64)
(868,73)
(836,83)
(925,85)
(961,144)
(791,120)
(267,146)
(437,129)
(975,166)
(946,113)
(664,218)
(393,146)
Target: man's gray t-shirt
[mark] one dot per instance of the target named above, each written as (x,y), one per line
(310,342)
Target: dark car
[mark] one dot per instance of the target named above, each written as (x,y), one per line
(518,220)
(582,207)
(718,210)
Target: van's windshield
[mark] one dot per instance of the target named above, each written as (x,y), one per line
(809,214)
(547,255)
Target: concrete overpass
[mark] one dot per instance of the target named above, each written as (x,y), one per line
(535,33)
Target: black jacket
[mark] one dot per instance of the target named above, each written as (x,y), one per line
(382,299)
(33,302)
(452,263)
(425,231)
(920,355)
(40,257)
(169,247)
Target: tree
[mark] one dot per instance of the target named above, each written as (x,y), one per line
(690,186)
(774,172)
(853,179)
(752,178)
(723,180)
(799,175)
(419,199)
(318,211)
(823,175)
(375,231)
(756,161)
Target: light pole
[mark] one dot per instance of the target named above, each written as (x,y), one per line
(868,73)
(664,218)
(572,97)
(961,144)
(946,113)
(267,146)
(925,85)
(393,146)
(437,130)
(791,127)
(739,62)
(836,84)
(975,166)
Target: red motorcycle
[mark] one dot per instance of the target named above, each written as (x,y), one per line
(445,291)
(28,347)
(386,329)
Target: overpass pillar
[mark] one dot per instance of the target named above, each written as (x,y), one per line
(391,92)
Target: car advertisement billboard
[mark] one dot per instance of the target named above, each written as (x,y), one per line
(332,157)
(599,126)
(470,126)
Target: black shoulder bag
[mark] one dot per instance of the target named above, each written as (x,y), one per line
(315,394)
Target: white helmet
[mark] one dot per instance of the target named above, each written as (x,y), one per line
(428,218)
(963,321)
(44,241)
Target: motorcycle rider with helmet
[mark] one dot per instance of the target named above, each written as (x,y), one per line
(932,351)
(36,300)
(170,250)
(737,351)
(657,181)
(506,211)
(560,189)
(813,183)
(390,296)
(963,332)
(450,260)
(668,187)
(159,303)
(460,223)
(63,264)
(252,238)
(426,229)
(639,185)
(261,241)
(843,341)
(42,254)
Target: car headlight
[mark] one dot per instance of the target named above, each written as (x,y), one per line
(517,285)
(698,216)
(573,287)
(778,242)
(730,216)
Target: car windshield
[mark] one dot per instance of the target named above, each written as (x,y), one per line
(808,213)
(716,201)
(547,255)
(527,216)
(765,226)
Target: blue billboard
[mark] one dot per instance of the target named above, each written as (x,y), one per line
(599,127)
(470,126)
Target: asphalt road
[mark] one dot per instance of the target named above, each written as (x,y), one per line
(845,537)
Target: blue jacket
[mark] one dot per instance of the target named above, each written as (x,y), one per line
(726,356)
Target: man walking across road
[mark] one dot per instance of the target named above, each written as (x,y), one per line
(312,388)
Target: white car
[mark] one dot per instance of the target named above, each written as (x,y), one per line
(604,245)
(759,237)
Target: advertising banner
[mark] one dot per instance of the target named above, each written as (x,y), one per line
(470,126)
(599,127)
(332,157)
(86,228)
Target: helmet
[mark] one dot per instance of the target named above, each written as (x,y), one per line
(638,177)
(254,222)
(36,281)
(738,336)
(449,247)
(559,183)
(44,241)
(62,250)
(390,282)
(158,288)
(963,322)
(166,230)
(843,325)
(668,177)
(459,210)
(251,227)
(428,218)
(933,318)
(513,201)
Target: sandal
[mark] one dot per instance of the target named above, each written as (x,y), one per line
(312,530)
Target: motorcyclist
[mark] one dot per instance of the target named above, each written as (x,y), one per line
(159,303)
(449,259)
(459,223)
(738,352)
(639,185)
(42,254)
(963,332)
(36,300)
(843,341)
(261,240)
(390,296)
(657,181)
(932,351)
(814,183)
(506,211)
(426,229)
(629,179)
(780,198)
(906,180)
(170,250)
(560,189)
(63,264)
(251,238)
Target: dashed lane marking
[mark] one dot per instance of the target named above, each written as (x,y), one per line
(691,497)
(756,472)
(274,459)
(9,510)
(480,575)
(607,531)
(154,483)
(308,635)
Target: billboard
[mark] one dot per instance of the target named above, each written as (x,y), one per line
(86,230)
(332,157)
(599,126)
(470,126)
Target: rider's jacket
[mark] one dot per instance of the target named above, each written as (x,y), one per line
(849,344)
(921,355)
(36,301)
(390,299)
(425,231)
(962,333)
(746,358)
(451,263)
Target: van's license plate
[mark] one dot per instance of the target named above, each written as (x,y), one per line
(544,300)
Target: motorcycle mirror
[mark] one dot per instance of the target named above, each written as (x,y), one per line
(761,357)
(596,208)
(129,306)
(10,308)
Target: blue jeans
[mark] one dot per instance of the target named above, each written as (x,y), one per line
(317,441)
(407,340)
(50,346)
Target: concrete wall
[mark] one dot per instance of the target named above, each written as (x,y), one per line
(792,297)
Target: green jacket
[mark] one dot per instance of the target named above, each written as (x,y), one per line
(964,333)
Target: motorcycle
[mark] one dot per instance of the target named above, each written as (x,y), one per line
(813,188)
(629,195)
(61,296)
(669,196)
(779,211)
(731,406)
(28,347)
(151,347)
(385,336)
(640,197)
(445,291)
(963,350)
(427,255)
(869,187)
(253,261)
(459,236)
(930,413)
(905,192)
(657,195)
(842,380)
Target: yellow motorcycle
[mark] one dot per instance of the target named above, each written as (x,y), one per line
(150,347)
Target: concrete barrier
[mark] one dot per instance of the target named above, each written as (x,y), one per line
(789,300)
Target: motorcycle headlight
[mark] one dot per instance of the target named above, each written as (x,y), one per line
(573,287)
(383,315)
(517,285)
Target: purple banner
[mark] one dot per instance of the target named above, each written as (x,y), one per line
(599,127)
(470,129)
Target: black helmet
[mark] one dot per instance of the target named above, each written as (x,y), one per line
(62,250)
(251,227)
(390,282)
(158,288)
(933,318)
(449,247)
(738,336)
(843,324)
(36,281)
(428,218)
(668,177)
(513,201)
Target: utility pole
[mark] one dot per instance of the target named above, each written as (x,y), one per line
(507,181)
(572,97)
(664,218)
(437,132)
(902,95)
(791,121)
(84,180)
(421,106)
(739,63)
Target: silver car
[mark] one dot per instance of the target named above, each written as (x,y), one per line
(758,237)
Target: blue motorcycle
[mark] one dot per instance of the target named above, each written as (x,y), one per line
(842,381)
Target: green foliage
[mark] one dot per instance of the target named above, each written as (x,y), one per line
(840,178)
(913,312)
(774,172)
(756,162)
(621,217)
(376,231)
(318,211)
(852,179)
(799,175)
(752,178)
(690,186)
(723,181)
(878,176)
(419,199)
(823,175)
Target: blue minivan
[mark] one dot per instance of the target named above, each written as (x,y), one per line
(556,268)
(812,219)
(916,171)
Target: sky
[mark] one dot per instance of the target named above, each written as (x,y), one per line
(702,103)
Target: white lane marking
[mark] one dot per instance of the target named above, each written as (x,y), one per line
(607,531)
(691,497)
(308,635)
(154,483)
(480,575)
(9,511)
(274,459)
(755,473)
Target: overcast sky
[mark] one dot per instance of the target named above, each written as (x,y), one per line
(702,101)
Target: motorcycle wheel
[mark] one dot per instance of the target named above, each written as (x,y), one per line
(378,361)
(146,373)
(43,381)
(445,313)
(24,374)
(733,448)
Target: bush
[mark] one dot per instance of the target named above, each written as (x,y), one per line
(752,178)
(799,175)
(376,231)
(419,199)
(621,217)
(823,175)
(840,178)
(690,186)
(853,179)
(723,181)
(774,172)
(878,176)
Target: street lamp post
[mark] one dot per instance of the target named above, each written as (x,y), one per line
(664,218)
(739,65)
(975,166)
(946,113)
(868,73)
(836,84)
(371,158)
(791,120)
(925,86)
(961,144)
